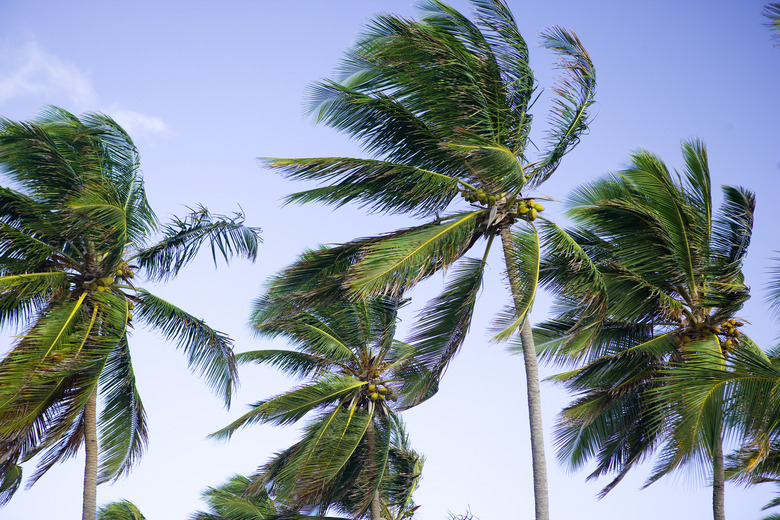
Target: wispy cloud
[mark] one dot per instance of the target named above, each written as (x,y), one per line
(31,71)
(138,124)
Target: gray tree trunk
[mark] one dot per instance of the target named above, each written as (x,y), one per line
(89,510)
(376,507)
(718,482)
(539,465)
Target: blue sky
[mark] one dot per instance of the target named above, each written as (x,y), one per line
(206,89)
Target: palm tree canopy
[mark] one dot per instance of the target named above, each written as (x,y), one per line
(443,107)
(353,444)
(75,227)
(122,510)
(668,284)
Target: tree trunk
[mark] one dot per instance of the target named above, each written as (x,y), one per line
(89,510)
(532,381)
(718,481)
(376,507)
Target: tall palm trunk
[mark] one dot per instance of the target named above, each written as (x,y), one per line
(718,481)
(532,381)
(89,510)
(376,507)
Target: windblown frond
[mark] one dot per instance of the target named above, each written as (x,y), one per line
(208,351)
(183,238)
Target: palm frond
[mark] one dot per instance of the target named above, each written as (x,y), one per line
(442,326)
(293,405)
(208,351)
(397,263)
(772,13)
(574,93)
(123,428)
(380,186)
(10,480)
(773,287)
(121,510)
(183,238)
(525,257)
(230,500)
(290,361)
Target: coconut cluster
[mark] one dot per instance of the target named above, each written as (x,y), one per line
(481,196)
(380,393)
(121,275)
(728,331)
(529,208)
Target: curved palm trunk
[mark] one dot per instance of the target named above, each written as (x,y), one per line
(376,507)
(89,510)
(532,381)
(718,481)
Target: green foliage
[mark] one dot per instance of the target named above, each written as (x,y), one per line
(442,105)
(74,219)
(353,445)
(665,292)
(122,510)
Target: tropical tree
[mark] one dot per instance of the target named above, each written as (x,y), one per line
(122,510)
(668,287)
(353,456)
(442,105)
(750,380)
(231,502)
(75,227)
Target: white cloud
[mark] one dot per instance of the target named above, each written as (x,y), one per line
(138,124)
(30,70)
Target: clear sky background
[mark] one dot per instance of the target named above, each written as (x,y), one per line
(206,88)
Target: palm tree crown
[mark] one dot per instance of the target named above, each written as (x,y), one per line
(442,105)
(665,282)
(351,453)
(75,227)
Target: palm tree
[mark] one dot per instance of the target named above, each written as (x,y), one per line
(230,502)
(351,454)
(750,378)
(669,286)
(443,105)
(122,510)
(75,227)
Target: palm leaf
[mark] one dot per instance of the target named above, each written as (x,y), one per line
(123,428)
(525,256)
(442,326)
(397,263)
(122,510)
(183,238)
(292,406)
(382,186)
(208,351)
(574,93)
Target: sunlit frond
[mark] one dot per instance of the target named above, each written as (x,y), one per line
(395,264)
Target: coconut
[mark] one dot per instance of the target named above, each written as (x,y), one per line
(372,387)
(374,396)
